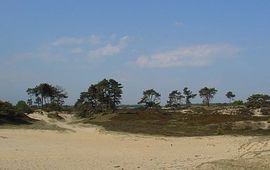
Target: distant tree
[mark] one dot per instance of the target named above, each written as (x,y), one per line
(188,95)
(230,96)
(47,94)
(103,96)
(115,93)
(58,95)
(175,99)
(22,107)
(258,101)
(150,98)
(207,94)
(43,91)
(88,100)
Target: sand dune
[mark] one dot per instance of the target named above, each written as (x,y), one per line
(93,148)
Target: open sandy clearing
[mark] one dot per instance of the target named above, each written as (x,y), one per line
(91,148)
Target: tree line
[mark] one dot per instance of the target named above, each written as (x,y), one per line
(152,98)
(106,95)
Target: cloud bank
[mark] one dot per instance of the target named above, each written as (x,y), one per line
(76,48)
(192,56)
(110,49)
(64,41)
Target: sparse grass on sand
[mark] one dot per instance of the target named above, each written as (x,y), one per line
(39,125)
(22,121)
(152,122)
(21,149)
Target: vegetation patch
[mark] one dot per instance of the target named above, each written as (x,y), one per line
(154,122)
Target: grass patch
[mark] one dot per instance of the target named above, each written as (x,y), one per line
(178,124)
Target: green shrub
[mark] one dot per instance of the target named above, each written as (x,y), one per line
(22,107)
(220,131)
(258,101)
(237,103)
(6,109)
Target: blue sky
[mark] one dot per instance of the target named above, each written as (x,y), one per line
(164,45)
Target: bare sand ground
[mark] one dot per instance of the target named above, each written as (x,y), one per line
(94,148)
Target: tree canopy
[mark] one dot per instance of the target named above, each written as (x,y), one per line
(150,98)
(175,99)
(258,101)
(207,94)
(100,97)
(46,94)
(230,96)
(188,94)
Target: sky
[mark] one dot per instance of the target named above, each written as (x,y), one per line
(159,44)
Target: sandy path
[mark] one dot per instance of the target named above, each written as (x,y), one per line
(88,148)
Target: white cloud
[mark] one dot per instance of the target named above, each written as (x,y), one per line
(178,23)
(110,49)
(64,41)
(197,55)
(75,48)
(67,41)
(94,40)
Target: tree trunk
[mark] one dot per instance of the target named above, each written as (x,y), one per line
(42,101)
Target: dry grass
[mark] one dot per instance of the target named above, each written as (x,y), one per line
(178,124)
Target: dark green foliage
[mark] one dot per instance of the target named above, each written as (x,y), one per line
(258,101)
(175,99)
(188,95)
(100,97)
(7,109)
(22,107)
(46,94)
(230,96)
(150,98)
(207,94)
(220,131)
(237,103)
(10,115)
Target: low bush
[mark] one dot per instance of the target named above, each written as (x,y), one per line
(258,101)
(22,107)
(6,109)
(237,103)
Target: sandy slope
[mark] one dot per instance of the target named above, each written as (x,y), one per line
(92,148)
